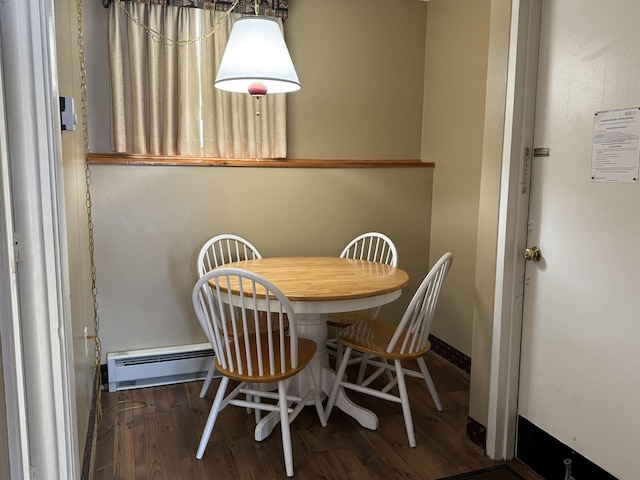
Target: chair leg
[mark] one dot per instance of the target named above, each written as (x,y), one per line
(363,368)
(213,414)
(207,380)
(285,428)
(336,384)
(257,413)
(404,400)
(430,385)
(339,347)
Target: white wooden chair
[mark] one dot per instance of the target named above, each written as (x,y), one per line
(223,249)
(374,247)
(409,340)
(216,251)
(254,355)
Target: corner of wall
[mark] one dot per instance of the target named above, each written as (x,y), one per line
(485,273)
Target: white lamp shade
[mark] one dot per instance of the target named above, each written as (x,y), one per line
(256,59)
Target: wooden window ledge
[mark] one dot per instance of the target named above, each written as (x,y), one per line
(127,159)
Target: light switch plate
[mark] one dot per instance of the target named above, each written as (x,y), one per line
(68,118)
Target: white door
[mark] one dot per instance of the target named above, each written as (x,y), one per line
(580,357)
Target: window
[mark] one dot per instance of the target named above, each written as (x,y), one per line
(163,60)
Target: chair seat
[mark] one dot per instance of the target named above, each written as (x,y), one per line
(373,337)
(344,319)
(306,351)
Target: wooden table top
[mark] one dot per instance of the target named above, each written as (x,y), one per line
(318,279)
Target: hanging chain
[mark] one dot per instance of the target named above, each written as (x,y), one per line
(97,350)
(164,40)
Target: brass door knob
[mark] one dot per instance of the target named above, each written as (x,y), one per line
(533,254)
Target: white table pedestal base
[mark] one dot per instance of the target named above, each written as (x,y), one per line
(314,327)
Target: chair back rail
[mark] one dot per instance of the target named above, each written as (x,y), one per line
(223,249)
(372,246)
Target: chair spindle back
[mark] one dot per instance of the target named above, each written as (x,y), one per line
(250,335)
(223,249)
(372,246)
(412,332)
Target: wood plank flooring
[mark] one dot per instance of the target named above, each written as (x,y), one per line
(153,434)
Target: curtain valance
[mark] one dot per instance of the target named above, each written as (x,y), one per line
(270,8)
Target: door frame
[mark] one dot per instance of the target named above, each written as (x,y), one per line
(512,227)
(12,365)
(39,357)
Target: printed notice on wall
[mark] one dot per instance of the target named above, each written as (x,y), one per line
(616,146)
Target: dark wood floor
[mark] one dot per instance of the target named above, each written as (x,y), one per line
(159,439)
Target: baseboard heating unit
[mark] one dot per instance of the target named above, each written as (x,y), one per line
(158,366)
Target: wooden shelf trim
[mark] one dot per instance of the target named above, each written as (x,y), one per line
(150,160)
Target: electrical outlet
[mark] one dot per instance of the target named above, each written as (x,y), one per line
(86,345)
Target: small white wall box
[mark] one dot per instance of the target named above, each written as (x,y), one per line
(68,118)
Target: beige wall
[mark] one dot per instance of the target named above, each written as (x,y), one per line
(455,83)
(361,65)
(151,221)
(360,100)
(489,200)
(76,215)
(465,81)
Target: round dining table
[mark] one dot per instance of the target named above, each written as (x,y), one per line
(318,286)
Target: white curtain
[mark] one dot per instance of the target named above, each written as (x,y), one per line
(163,101)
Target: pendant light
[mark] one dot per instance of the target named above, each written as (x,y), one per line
(256,59)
